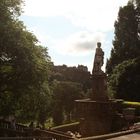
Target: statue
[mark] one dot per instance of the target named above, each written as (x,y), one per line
(98,60)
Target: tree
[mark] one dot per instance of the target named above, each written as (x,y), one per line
(24,66)
(125,80)
(78,74)
(126,42)
(123,66)
(64,96)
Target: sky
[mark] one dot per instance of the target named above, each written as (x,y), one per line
(70,29)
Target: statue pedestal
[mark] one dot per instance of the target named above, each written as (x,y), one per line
(96,113)
(99,87)
(95,117)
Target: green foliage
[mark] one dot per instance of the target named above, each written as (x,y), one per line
(127,38)
(125,80)
(10,9)
(78,74)
(57,114)
(69,84)
(123,66)
(136,105)
(132,103)
(64,96)
(24,67)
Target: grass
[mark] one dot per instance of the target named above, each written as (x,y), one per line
(132,103)
(135,105)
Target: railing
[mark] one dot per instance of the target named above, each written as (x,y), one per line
(26,138)
(23,132)
(55,135)
(7,130)
(7,125)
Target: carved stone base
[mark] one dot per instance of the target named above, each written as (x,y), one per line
(99,88)
(95,117)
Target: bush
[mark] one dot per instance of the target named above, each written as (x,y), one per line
(125,80)
(135,105)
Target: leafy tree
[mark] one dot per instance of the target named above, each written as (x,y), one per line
(78,74)
(125,53)
(69,84)
(24,66)
(57,114)
(125,80)
(126,44)
(64,96)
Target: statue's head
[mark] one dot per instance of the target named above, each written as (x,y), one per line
(99,44)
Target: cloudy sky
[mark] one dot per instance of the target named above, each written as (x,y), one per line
(71,28)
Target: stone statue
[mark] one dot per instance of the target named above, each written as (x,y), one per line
(98,60)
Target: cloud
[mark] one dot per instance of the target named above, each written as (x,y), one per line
(94,15)
(80,43)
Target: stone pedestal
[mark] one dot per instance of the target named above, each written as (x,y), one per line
(96,113)
(99,88)
(95,117)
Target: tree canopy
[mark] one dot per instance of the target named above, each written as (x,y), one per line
(78,74)
(64,95)
(125,80)
(24,66)
(126,43)
(123,65)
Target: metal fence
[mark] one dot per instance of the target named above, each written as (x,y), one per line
(26,138)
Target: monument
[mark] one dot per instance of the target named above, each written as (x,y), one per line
(99,78)
(95,113)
